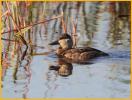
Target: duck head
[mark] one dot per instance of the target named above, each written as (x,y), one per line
(65,41)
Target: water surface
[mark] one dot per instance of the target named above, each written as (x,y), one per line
(103,77)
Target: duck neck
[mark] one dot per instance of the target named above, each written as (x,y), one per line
(60,51)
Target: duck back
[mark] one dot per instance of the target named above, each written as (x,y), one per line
(82,54)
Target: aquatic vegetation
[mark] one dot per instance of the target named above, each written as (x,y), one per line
(27,59)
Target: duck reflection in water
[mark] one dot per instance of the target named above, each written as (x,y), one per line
(63,68)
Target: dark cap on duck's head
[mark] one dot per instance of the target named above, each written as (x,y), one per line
(65,36)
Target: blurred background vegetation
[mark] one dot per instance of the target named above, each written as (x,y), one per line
(28,27)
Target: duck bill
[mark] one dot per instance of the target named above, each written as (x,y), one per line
(54,43)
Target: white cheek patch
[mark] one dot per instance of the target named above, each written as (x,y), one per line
(64,43)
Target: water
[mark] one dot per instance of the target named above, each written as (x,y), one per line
(103,77)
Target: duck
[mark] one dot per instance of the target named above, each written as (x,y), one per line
(78,54)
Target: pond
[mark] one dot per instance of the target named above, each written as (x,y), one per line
(30,76)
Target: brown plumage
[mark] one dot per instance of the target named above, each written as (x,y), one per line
(80,54)
(77,54)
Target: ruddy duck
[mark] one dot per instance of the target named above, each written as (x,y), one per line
(67,50)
